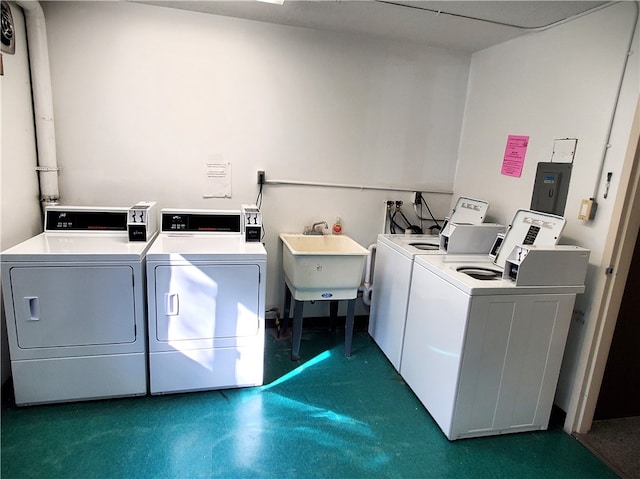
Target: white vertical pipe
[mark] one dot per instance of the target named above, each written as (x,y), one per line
(367,287)
(42,101)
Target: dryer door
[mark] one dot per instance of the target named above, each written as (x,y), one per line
(204,302)
(67,306)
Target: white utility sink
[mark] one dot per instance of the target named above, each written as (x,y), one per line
(318,267)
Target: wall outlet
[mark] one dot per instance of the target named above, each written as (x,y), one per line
(261,177)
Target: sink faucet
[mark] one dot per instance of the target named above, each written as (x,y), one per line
(315,230)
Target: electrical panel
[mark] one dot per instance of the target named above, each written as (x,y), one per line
(551,188)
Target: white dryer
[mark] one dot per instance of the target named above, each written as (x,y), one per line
(483,352)
(75,308)
(206,303)
(392,277)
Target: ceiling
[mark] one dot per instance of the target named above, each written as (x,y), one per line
(466,26)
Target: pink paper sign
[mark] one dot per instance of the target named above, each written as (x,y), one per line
(514,154)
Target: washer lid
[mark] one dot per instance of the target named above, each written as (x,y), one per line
(74,247)
(480,272)
(203,247)
(424,245)
(410,245)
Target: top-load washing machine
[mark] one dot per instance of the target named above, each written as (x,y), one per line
(206,302)
(75,307)
(394,265)
(482,352)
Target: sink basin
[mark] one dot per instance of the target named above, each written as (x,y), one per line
(318,267)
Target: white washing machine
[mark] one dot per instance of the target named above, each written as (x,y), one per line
(206,303)
(392,277)
(483,353)
(75,308)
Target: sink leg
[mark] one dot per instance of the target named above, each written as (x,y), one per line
(333,315)
(285,311)
(348,331)
(297,329)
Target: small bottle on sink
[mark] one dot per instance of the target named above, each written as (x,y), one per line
(337,227)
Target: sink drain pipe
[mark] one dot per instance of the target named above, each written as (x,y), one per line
(367,287)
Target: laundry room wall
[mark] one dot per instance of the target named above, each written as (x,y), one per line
(145,96)
(558,83)
(20,216)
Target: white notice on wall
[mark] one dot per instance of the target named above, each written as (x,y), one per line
(564,150)
(217,179)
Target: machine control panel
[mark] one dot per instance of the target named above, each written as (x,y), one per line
(142,223)
(84,219)
(201,221)
(532,234)
(529,227)
(553,265)
(469,239)
(252,218)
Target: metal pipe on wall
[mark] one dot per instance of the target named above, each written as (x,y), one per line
(422,189)
(616,103)
(42,102)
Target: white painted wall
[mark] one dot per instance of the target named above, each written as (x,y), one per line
(19,207)
(145,95)
(560,83)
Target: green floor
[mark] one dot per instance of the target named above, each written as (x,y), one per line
(324,416)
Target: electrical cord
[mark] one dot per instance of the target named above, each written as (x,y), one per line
(387,219)
(404,218)
(420,215)
(402,228)
(259,197)
(259,206)
(433,218)
(414,228)
(393,224)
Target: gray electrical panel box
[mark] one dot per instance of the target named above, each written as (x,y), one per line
(551,188)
